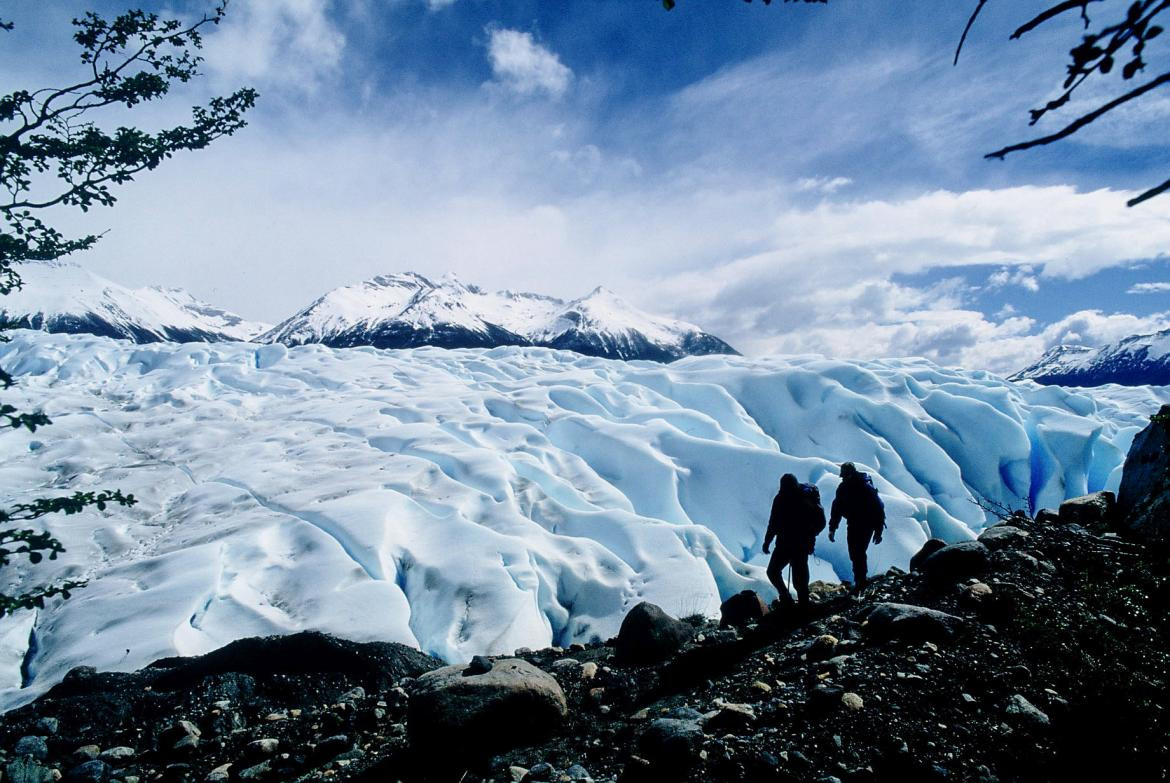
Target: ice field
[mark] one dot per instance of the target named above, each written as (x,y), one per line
(477,501)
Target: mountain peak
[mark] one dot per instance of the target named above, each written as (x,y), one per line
(450,313)
(1136,360)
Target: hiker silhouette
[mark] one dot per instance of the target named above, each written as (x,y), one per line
(796,520)
(858,502)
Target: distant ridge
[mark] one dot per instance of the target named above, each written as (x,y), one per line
(409,310)
(1138,360)
(60,296)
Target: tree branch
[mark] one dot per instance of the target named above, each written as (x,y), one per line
(1051,13)
(967,29)
(1149,194)
(1082,121)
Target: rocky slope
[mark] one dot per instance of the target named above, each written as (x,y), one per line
(1036,654)
(1138,360)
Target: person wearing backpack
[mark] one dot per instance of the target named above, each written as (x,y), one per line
(858,502)
(796,520)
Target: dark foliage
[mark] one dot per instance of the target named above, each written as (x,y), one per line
(53,152)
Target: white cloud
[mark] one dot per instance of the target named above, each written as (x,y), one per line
(1093,327)
(524,66)
(1023,277)
(286,43)
(1149,288)
(438,5)
(822,184)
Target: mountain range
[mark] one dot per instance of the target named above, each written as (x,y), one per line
(59,296)
(1138,360)
(390,311)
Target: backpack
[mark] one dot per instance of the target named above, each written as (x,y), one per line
(814,512)
(871,503)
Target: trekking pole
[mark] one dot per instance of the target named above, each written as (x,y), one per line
(790,581)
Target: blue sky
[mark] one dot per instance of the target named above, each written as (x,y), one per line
(794,178)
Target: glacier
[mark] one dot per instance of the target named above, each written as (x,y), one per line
(475,501)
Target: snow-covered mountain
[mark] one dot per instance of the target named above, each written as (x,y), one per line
(476,501)
(59,296)
(1134,361)
(409,310)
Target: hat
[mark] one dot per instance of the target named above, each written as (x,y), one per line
(848,469)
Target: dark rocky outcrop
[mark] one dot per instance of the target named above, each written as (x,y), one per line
(1050,667)
(955,562)
(649,635)
(931,546)
(1143,501)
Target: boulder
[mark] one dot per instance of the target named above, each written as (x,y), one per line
(33,746)
(1143,500)
(1003,536)
(1026,713)
(27,770)
(885,621)
(729,717)
(955,562)
(742,609)
(931,546)
(671,746)
(95,771)
(650,635)
(456,709)
(1099,508)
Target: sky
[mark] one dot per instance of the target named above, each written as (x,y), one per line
(794,178)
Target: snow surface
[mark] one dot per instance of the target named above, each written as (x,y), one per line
(56,290)
(472,501)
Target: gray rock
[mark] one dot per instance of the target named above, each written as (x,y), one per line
(649,635)
(730,717)
(1047,516)
(95,771)
(186,744)
(1099,508)
(1026,713)
(1001,536)
(87,752)
(885,621)
(117,754)
(671,746)
(219,774)
(540,773)
(955,562)
(577,773)
(180,731)
(566,663)
(260,748)
(256,772)
(27,770)
(36,747)
(354,694)
(512,704)
(47,725)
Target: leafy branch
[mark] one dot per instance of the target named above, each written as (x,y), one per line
(1097,54)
